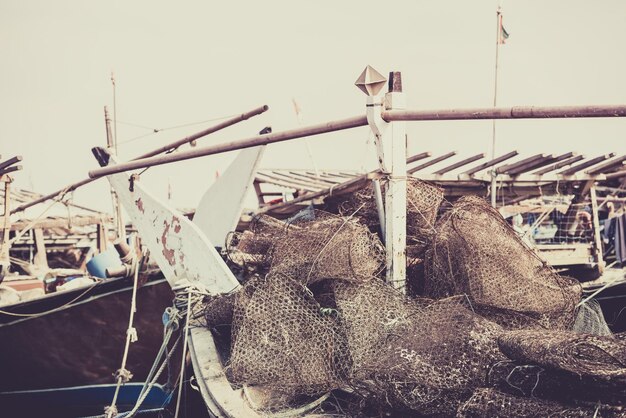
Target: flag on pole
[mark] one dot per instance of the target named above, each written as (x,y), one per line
(503,35)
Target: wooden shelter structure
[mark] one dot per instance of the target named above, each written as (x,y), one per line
(522,183)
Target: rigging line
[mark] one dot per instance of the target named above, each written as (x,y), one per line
(158,130)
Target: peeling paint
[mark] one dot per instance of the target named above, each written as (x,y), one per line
(139,204)
(167,253)
(176,224)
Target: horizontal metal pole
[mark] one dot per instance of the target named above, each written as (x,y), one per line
(254,141)
(168,147)
(516,112)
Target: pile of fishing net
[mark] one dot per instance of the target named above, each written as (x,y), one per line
(487,337)
(476,253)
(313,245)
(423,204)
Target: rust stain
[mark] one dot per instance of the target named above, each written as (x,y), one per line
(139,204)
(176,224)
(167,253)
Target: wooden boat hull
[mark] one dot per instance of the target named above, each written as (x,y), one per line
(81,344)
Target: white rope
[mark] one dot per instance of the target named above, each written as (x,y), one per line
(182,366)
(122,374)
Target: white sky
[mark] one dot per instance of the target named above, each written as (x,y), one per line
(183,62)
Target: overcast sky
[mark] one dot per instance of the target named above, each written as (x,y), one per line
(184,62)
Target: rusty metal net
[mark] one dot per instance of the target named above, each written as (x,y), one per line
(318,317)
(475,252)
(593,356)
(312,246)
(413,354)
(487,402)
(423,200)
(282,339)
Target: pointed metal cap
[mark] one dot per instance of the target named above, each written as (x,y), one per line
(370,81)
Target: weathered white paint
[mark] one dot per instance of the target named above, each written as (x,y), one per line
(391,147)
(178,246)
(220,208)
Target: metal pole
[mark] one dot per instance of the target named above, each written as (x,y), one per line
(395,193)
(494,175)
(120,226)
(254,141)
(167,147)
(515,112)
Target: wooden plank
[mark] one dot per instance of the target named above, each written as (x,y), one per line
(50,223)
(597,250)
(566,162)
(524,168)
(318,181)
(306,176)
(586,164)
(288,177)
(504,169)
(264,178)
(616,175)
(460,163)
(490,163)
(607,166)
(431,162)
(418,157)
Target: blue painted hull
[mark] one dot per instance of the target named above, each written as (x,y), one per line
(79,401)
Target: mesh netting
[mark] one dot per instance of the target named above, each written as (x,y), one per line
(491,403)
(218,309)
(598,357)
(415,354)
(311,248)
(590,319)
(282,339)
(475,252)
(531,380)
(423,200)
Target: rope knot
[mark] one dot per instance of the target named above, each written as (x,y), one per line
(132,332)
(110,411)
(123,375)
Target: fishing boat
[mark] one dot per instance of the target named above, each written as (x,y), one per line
(63,350)
(187,256)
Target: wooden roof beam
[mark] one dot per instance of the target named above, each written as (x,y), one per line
(608,166)
(431,162)
(460,163)
(504,169)
(490,163)
(586,164)
(531,165)
(418,157)
(567,161)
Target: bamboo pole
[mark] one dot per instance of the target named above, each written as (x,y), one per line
(515,112)
(254,141)
(168,147)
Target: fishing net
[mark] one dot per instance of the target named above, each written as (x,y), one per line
(311,247)
(491,403)
(590,319)
(218,309)
(419,355)
(282,339)
(593,356)
(475,252)
(423,200)
(531,380)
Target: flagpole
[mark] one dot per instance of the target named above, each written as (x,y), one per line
(494,180)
